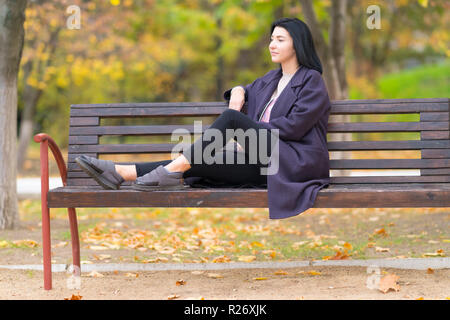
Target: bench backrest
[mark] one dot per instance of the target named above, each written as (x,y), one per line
(416,137)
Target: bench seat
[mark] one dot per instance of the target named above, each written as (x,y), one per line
(335,196)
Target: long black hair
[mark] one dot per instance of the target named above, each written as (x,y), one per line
(303,42)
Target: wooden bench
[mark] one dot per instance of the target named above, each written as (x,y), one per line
(428,140)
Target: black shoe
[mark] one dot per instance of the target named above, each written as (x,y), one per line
(102,171)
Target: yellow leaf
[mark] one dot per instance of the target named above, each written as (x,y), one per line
(348,246)
(260,278)
(314,273)
(27,243)
(247,258)
(257,244)
(280,273)
(423,3)
(439,252)
(172,296)
(131,275)
(3,244)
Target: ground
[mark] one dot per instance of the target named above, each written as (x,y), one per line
(295,283)
(192,235)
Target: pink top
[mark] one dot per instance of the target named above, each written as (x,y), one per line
(266,115)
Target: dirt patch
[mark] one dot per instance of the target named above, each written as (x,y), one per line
(294,283)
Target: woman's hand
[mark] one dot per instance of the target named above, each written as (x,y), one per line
(237,98)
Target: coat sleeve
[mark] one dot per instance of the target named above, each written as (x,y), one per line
(312,103)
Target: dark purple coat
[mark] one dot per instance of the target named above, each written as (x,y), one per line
(301,114)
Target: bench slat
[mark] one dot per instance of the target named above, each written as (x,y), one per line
(335,196)
(387,126)
(425,172)
(430,135)
(434,116)
(82,179)
(389,163)
(84,121)
(332,146)
(332,127)
(436,154)
(387,145)
(77,140)
(146,112)
(389,108)
(135,130)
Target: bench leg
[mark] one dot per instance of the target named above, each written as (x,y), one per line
(74,237)
(46,241)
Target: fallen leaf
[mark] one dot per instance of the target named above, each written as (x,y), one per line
(215,275)
(198,272)
(338,256)
(74,297)
(260,278)
(379,249)
(131,275)
(60,244)
(313,273)
(221,259)
(95,274)
(247,258)
(439,253)
(389,282)
(430,271)
(348,246)
(180,282)
(280,273)
(97,248)
(27,243)
(173,296)
(380,231)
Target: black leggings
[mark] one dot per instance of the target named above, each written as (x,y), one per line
(233,173)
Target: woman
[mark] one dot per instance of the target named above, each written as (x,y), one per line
(291,103)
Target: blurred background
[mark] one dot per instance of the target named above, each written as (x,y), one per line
(168,50)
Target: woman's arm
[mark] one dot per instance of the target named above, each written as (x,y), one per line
(237,98)
(229,95)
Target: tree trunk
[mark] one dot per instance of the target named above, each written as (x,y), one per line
(332,56)
(12,17)
(30,98)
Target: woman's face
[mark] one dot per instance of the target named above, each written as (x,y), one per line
(281,46)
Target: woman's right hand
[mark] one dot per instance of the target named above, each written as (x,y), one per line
(237,98)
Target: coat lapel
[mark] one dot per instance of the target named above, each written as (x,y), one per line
(287,97)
